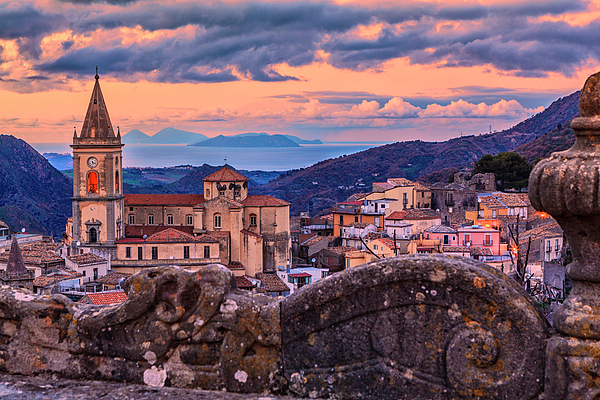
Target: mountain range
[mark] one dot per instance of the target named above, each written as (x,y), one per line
(33,194)
(36,196)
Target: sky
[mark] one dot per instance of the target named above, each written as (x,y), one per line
(331,70)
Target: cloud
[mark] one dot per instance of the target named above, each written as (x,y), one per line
(219,42)
(398,108)
(463,109)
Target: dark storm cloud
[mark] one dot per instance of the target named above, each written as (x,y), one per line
(111,2)
(250,40)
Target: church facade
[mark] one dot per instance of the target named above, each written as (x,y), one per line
(224,224)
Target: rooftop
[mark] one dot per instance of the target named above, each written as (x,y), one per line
(163,199)
(104,298)
(226,174)
(87,258)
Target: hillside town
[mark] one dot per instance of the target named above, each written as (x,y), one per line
(112,234)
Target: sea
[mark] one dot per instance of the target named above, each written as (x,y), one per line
(247,158)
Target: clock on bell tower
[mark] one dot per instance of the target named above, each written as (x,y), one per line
(97,178)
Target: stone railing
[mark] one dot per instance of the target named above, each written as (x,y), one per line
(412,327)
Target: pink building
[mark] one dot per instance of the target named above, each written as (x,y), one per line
(482,237)
(446,235)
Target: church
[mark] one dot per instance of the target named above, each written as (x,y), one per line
(224,224)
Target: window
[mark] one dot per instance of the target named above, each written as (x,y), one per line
(151,219)
(341,220)
(221,193)
(481,213)
(189,220)
(130,208)
(186,251)
(170,219)
(548,246)
(356,218)
(418,204)
(446,239)
(252,219)
(117,181)
(467,239)
(93,235)
(236,193)
(119,232)
(92,182)
(207,193)
(206,251)
(131,219)
(375,247)
(488,239)
(217,219)
(127,252)
(140,253)
(155,253)
(556,248)
(377,220)
(95,273)
(450,210)
(493,213)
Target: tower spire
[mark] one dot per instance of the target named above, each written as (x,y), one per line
(15,265)
(97,122)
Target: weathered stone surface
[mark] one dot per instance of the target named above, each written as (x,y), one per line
(176,328)
(414,328)
(45,387)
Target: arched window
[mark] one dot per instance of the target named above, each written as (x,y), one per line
(93,235)
(117,181)
(217,221)
(253,220)
(92,182)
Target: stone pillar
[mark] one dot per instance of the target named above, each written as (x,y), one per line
(566,185)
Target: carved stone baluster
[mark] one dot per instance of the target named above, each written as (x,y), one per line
(566,185)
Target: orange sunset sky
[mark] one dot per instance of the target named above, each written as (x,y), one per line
(335,71)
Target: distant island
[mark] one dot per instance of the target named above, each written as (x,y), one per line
(164,136)
(248,141)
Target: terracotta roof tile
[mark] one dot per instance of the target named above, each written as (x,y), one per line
(250,233)
(113,278)
(272,282)
(243,283)
(137,231)
(87,258)
(421,213)
(401,182)
(104,298)
(481,251)
(440,229)
(301,275)
(397,215)
(456,249)
(314,240)
(163,199)
(341,250)
(262,200)
(225,174)
(236,265)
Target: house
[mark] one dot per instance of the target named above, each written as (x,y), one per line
(89,265)
(452,199)
(272,284)
(483,242)
(546,242)
(353,235)
(395,195)
(295,278)
(37,256)
(446,235)
(310,247)
(419,219)
(348,212)
(111,281)
(383,248)
(4,231)
(168,246)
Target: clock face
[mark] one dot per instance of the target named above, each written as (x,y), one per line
(92,162)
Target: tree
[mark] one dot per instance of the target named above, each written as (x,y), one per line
(512,171)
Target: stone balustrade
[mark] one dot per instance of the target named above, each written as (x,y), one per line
(411,327)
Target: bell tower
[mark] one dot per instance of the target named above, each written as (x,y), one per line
(97,178)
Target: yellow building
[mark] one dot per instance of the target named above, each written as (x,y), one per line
(223,224)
